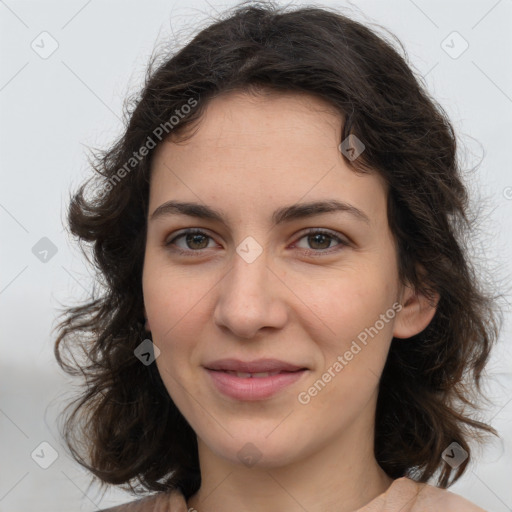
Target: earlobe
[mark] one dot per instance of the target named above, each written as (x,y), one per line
(416,313)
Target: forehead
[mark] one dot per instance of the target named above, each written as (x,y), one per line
(278,148)
(256,118)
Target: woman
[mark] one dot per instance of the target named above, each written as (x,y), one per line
(290,320)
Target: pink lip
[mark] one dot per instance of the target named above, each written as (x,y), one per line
(253,388)
(256,366)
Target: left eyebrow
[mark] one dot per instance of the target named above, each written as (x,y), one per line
(281,215)
(303,210)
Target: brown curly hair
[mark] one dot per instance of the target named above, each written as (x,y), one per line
(124,427)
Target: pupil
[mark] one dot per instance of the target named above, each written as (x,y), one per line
(321,236)
(194,237)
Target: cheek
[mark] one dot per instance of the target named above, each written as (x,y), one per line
(174,313)
(174,301)
(177,305)
(351,303)
(353,358)
(355,315)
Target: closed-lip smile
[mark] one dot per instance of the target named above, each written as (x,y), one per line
(253,380)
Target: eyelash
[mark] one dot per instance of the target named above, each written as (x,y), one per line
(309,232)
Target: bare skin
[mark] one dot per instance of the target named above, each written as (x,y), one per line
(303,300)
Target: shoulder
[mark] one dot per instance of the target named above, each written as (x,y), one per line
(173,501)
(407,495)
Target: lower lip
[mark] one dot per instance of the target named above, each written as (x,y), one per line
(252,388)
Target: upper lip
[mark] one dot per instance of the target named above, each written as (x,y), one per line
(256,366)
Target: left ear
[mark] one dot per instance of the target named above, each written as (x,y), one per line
(416,313)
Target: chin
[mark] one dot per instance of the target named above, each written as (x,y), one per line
(256,448)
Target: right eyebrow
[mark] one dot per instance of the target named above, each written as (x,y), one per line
(187,208)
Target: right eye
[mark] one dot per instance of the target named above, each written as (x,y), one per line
(195,241)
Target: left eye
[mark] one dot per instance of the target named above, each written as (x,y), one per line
(319,240)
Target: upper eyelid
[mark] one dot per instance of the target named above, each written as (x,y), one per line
(187,231)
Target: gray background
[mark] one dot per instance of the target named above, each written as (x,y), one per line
(53,106)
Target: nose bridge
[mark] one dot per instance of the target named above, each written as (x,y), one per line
(248,276)
(248,300)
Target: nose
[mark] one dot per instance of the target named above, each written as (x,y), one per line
(251,297)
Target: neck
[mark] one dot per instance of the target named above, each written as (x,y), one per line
(339,477)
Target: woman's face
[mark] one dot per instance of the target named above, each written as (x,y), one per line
(254,284)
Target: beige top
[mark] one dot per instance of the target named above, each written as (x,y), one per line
(403,495)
